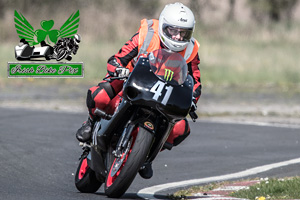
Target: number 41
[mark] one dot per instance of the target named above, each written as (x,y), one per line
(157,90)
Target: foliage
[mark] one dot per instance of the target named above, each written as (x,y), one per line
(272,189)
(273,10)
(182,194)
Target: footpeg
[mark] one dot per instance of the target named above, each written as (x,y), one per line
(84,145)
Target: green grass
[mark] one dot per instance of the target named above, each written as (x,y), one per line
(95,56)
(183,194)
(235,56)
(272,189)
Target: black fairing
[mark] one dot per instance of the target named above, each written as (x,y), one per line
(138,91)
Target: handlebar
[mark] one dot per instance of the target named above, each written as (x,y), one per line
(109,79)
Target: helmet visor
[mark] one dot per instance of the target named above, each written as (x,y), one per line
(178,33)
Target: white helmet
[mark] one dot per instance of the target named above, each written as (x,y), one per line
(176,18)
(77,38)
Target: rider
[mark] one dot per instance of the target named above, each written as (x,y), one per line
(172,31)
(71,43)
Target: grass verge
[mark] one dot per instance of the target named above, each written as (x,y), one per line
(287,188)
(268,188)
(185,193)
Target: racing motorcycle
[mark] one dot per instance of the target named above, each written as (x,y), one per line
(156,95)
(62,52)
(63,49)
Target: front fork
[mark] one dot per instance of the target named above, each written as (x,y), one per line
(123,141)
(96,128)
(102,129)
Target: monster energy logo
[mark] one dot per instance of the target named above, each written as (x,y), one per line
(168,74)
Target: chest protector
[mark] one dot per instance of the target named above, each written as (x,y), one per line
(149,41)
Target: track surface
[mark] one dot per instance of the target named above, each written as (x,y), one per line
(39,154)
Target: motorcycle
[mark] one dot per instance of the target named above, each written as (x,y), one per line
(61,53)
(63,50)
(156,95)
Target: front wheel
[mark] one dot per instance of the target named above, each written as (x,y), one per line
(124,169)
(61,54)
(85,178)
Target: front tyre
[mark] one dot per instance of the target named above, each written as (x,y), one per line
(61,55)
(118,182)
(85,178)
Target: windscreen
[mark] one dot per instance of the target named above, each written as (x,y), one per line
(168,66)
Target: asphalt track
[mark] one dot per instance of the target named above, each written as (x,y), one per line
(39,154)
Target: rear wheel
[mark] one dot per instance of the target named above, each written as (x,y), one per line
(85,178)
(124,169)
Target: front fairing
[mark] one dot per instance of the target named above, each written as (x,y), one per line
(145,88)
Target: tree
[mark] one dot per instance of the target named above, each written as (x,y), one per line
(145,7)
(230,15)
(272,10)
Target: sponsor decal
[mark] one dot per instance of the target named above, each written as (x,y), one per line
(183,20)
(168,74)
(149,125)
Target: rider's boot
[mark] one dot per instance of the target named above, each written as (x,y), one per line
(84,133)
(69,57)
(146,170)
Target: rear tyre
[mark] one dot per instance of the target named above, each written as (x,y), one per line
(116,184)
(85,178)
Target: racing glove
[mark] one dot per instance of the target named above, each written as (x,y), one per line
(194,105)
(192,113)
(122,72)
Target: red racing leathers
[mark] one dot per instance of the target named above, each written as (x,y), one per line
(103,96)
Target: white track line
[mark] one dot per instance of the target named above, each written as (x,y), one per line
(254,123)
(148,193)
